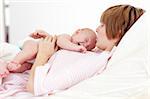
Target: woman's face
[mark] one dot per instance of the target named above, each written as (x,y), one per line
(103,43)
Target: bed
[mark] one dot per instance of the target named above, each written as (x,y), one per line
(127,73)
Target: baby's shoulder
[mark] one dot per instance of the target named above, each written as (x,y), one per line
(65,35)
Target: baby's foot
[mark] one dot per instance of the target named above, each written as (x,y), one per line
(25,66)
(12,66)
(3,69)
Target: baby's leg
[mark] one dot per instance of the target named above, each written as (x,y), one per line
(28,52)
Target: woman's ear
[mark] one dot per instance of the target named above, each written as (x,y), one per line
(117,38)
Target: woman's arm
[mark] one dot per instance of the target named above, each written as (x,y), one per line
(46,49)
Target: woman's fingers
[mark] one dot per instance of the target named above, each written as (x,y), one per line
(47,47)
(56,48)
(46,38)
(54,43)
(49,38)
(54,39)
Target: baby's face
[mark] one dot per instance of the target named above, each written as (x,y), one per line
(82,37)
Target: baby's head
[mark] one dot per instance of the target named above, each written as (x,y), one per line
(85,37)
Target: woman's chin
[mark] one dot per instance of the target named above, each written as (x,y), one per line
(100,48)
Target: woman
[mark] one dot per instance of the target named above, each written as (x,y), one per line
(114,23)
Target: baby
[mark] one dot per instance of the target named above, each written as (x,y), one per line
(82,40)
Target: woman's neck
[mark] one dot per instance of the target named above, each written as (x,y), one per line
(109,48)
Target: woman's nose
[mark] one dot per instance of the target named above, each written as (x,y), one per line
(98,28)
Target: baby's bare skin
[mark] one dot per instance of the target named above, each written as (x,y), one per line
(3,69)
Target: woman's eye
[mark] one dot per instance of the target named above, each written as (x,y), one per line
(102,25)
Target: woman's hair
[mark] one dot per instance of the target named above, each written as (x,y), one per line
(119,19)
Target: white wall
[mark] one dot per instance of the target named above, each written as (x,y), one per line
(2,29)
(58,16)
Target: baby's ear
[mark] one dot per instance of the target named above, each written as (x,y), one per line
(88,40)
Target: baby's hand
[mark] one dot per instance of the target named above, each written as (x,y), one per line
(81,49)
(39,34)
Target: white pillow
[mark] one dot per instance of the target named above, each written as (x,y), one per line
(8,51)
(134,45)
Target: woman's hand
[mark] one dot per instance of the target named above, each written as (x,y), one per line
(39,34)
(47,47)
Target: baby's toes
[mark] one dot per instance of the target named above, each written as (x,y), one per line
(13,66)
(10,66)
(4,73)
(7,72)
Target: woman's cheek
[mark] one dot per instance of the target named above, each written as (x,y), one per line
(98,42)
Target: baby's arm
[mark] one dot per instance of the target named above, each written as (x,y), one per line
(64,42)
